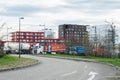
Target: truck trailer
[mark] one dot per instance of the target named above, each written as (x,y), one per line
(13,47)
(55,48)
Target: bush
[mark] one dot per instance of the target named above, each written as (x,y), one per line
(2,53)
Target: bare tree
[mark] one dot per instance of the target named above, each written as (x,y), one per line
(1,42)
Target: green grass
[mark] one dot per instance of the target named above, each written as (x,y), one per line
(69,56)
(113,61)
(12,61)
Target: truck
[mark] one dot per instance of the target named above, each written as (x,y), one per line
(13,47)
(49,48)
(37,48)
(76,50)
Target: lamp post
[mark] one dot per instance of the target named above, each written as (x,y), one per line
(19,35)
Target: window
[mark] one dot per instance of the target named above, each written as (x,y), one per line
(36,40)
(24,36)
(17,36)
(42,40)
(66,26)
(51,40)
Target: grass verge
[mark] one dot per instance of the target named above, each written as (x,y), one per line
(8,62)
(115,61)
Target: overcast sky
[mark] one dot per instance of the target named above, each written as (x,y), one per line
(55,12)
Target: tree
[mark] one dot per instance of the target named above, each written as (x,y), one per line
(1,42)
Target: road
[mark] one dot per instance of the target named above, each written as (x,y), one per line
(61,69)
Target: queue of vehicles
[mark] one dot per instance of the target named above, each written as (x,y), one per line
(13,47)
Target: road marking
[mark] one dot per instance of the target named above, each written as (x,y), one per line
(67,74)
(92,74)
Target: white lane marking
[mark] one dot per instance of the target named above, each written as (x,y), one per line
(92,74)
(67,74)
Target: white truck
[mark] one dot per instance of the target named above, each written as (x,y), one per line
(13,47)
(37,49)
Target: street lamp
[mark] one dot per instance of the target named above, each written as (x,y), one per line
(19,35)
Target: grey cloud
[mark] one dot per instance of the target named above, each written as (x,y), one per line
(94,4)
(83,22)
(24,10)
(27,10)
(92,7)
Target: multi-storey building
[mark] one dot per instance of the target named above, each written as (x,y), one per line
(35,37)
(75,35)
(27,37)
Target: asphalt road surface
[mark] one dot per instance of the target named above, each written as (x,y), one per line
(61,69)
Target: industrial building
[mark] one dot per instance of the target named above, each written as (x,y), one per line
(75,35)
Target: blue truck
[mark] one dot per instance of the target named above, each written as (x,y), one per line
(76,50)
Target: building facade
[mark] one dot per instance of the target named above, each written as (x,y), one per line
(35,37)
(75,35)
(27,37)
